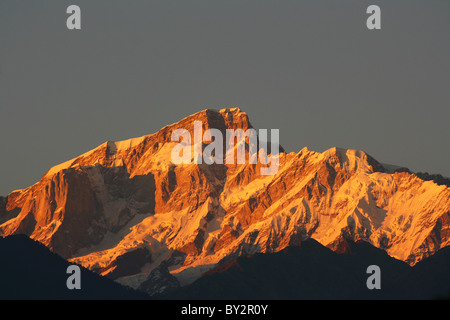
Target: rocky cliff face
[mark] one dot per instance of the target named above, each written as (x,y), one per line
(125,209)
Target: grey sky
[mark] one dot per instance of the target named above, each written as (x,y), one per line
(310,68)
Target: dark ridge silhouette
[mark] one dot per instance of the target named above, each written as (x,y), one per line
(429,278)
(312,271)
(436,178)
(29,271)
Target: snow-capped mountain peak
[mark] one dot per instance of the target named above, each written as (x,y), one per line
(125,209)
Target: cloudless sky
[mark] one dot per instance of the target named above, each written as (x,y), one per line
(309,68)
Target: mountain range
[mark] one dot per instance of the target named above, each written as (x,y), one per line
(124,210)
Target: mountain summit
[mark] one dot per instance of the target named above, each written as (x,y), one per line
(125,210)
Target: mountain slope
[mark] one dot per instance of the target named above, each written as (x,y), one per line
(312,271)
(124,209)
(30,271)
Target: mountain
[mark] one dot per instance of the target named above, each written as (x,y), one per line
(312,271)
(30,271)
(126,211)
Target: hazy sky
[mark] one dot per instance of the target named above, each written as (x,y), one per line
(309,68)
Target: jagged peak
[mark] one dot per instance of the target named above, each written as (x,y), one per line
(225,118)
(344,152)
(354,159)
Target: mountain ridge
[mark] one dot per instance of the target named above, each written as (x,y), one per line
(30,271)
(312,271)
